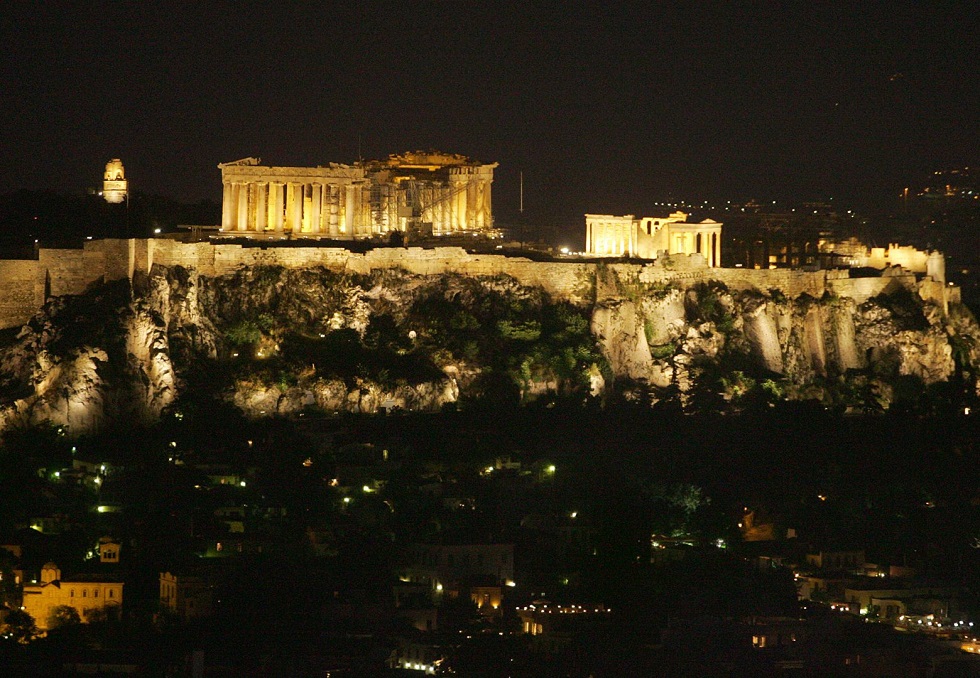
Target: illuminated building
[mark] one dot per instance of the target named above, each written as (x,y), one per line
(836,560)
(446,567)
(114,185)
(557,627)
(187,596)
(90,595)
(645,237)
(487,599)
(109,549)
(418,193)
(413,603)
(423,655)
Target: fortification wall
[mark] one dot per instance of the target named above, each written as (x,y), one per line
(25,284)
(862,289)
(562,280)
(906,256)
(19,295)
(940,293)
(655,274)
(791,283)
(71,271)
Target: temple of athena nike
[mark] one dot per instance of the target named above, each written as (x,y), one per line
(424,193)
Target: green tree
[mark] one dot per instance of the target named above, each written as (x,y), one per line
(518,331)
(687,497)
(19,626)
(63,616)
(245,333)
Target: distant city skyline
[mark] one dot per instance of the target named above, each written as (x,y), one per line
(603,109)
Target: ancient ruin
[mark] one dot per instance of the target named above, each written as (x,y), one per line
(417,193)
(643,238)
(114,185)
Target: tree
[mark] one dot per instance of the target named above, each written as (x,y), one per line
(63,616)
(246,333)
(19,626)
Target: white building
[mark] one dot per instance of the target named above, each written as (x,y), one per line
(607,235)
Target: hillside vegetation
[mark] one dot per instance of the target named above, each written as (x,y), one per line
(282,341)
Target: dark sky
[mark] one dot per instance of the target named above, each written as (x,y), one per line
(605,107)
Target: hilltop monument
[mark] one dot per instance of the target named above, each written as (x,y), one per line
(426,193)
(643,238)
(114,184)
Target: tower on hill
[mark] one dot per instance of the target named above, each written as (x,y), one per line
(114,186)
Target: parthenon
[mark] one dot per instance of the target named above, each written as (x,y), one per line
(426,193)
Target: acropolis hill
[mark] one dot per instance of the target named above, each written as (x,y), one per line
(111,330)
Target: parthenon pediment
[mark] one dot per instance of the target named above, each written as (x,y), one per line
(426,159)
(244,162)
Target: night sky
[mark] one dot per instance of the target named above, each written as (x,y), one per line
(605,107)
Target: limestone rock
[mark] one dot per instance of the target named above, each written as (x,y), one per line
(620,332)
(124,351)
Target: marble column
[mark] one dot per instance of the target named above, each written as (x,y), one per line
(479,210)
(242,214)
(287,206)
(367,222)
(304,206)
(334,209)
(261,206)
(233,206)
(450,202)
(276,205)
(487,206)
(389,211)
(460,207)
(454,201)
(470,205)
(357,217)
(292,214)
(348,216)
(227,207)
(315,207)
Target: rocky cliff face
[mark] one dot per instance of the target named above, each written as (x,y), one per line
(277,341)
(83,361)
(806,347)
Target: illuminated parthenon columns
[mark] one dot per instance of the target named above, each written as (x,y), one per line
(279,201)
(644,238)
(471,188)
(450,193)
(444,193)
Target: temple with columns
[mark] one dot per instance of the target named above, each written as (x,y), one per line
(647,237)
(424,193)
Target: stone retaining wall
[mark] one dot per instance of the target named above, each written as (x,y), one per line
(19,296)
(25,284)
